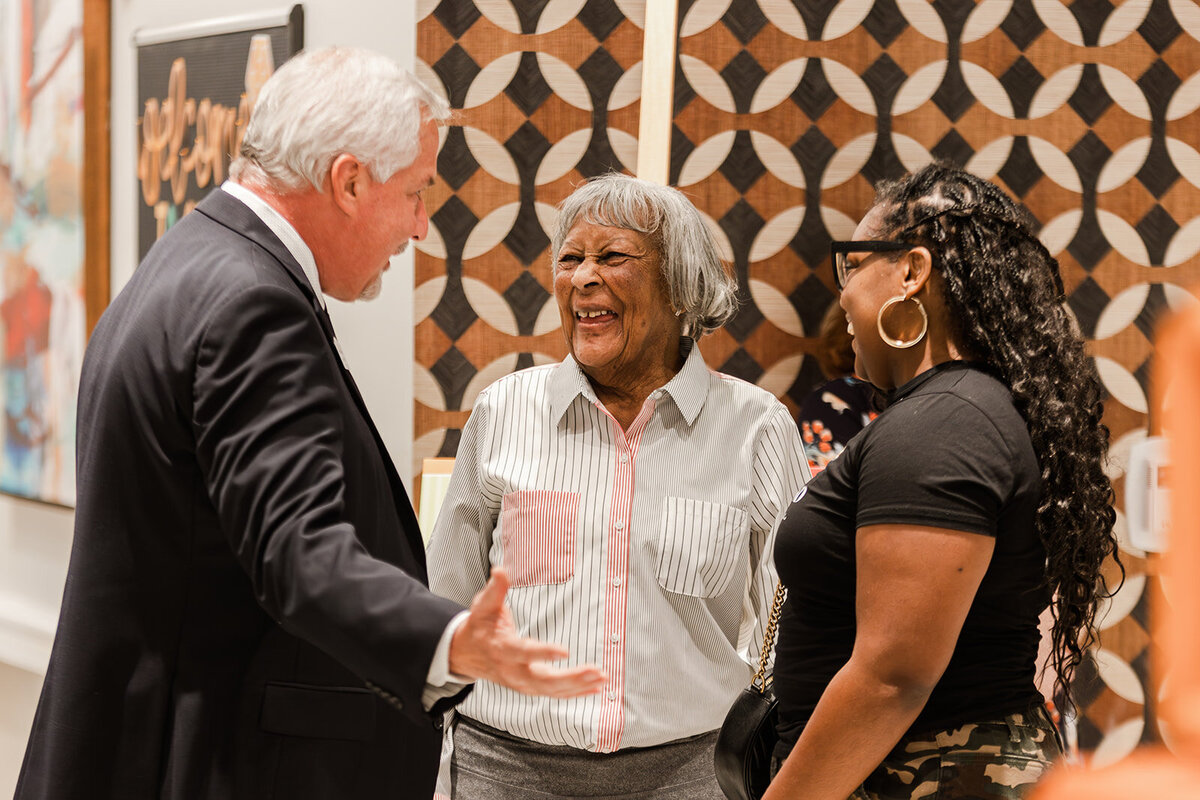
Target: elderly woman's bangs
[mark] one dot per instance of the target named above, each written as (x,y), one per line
(616,205)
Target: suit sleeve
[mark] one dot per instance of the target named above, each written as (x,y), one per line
(269,435)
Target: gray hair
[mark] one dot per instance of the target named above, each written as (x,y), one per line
(333,100)
(698,285)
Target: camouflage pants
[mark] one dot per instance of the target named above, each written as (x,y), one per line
(996,760)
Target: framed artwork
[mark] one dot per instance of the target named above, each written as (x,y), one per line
(54,58)
(196,87)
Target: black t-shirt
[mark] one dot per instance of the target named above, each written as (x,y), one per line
(951,451)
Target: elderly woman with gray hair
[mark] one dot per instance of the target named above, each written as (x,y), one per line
(630,494)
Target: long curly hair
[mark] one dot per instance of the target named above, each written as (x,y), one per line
(1005,305)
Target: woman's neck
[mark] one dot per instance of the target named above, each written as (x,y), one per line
(624,399)
(936,350)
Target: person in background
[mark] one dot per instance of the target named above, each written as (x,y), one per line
(918,562)
(631,493)
(835,411)
(246,613)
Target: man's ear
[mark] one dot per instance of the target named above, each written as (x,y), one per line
(917,266)
(347,180)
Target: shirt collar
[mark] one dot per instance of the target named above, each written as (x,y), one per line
(688,388)
(283,229)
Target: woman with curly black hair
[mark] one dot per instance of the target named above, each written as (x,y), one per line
(919,561)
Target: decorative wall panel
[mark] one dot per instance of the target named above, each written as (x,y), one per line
(786,113)
(547,94)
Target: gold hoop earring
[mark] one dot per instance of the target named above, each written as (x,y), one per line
(908,318)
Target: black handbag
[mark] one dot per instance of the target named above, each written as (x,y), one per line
(747,738)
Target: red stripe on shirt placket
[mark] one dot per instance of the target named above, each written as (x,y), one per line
(612,716)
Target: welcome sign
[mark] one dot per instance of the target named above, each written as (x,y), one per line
(197,85)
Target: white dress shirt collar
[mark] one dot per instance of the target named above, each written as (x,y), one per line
(283,229)
(688,388)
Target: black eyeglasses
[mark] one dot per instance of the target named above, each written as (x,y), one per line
(842,265)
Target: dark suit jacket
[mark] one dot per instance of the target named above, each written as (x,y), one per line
(246,562)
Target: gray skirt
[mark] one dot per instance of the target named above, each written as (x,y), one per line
(493,765)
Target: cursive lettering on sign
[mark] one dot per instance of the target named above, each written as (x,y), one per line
(167,155)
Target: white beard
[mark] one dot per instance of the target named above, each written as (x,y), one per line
(372,289)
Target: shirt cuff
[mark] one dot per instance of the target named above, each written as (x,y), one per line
(439,668)
(441,682)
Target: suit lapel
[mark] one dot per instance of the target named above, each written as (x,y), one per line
(403,506)
(234,214)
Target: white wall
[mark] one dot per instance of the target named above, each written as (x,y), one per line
(377,339)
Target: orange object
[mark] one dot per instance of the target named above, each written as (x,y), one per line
(1154,772)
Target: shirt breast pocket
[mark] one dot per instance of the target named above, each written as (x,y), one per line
(700,546)
(538,531)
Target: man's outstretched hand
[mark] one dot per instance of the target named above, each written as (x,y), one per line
(487,646)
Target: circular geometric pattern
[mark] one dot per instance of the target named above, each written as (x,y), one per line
(491,231)
(1086,112)
(985,18)
(1058,232)
(786,18)
(919,88)
(1059,20)
(1125,19)
(1119,676)
(845,17)
(563,156)
(703,15)
(504,15)
(708,83)
(493,79)
(545,95)
(628,88)
(1121,605)
(920,15)
(1056,91)
(778,159)
(493,158)
(849,161)
(1186,99)
(1121,384)
(988,90)
(1119,742)
(778,85)
(775,235)
(706,158)
(1055,164)
(564,81)
(991,157)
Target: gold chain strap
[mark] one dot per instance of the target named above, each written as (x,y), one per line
(760,678)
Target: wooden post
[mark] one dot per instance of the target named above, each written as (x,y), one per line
(97,88)
(658,90)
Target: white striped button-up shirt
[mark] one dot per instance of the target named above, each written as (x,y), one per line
(645,551)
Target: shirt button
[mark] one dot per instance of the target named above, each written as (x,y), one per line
(623,458)
(616,581)
(619,525)
(616,637)
(612,694)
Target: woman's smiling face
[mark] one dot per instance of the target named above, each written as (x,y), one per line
(613,301)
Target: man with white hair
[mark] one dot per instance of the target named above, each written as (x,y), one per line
(246,613)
